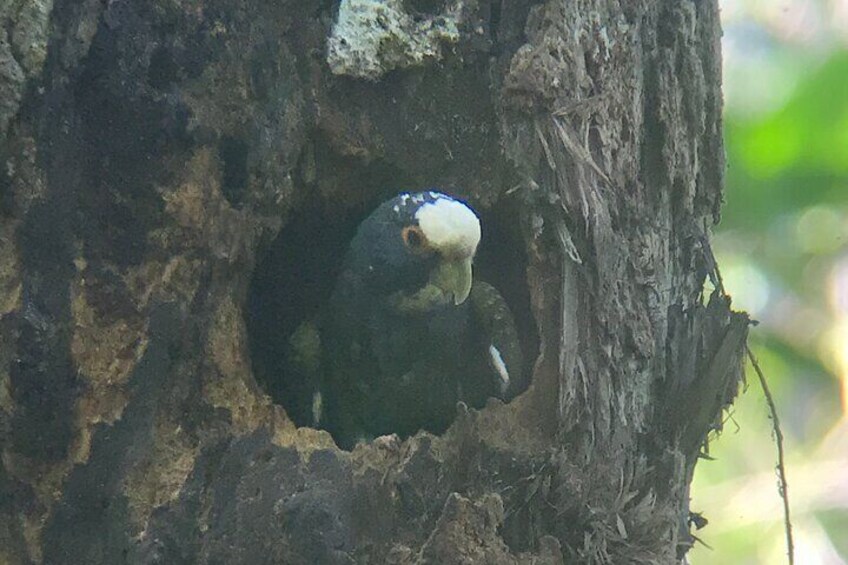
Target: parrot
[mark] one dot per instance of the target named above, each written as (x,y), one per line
(407,332)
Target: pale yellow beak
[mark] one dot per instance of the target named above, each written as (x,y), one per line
(453,277)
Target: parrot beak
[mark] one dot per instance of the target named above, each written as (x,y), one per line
(453,277)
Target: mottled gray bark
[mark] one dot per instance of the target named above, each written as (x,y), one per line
(169,164)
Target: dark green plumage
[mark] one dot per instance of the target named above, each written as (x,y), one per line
(399,343)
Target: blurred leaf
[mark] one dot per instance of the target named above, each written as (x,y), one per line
(835,523)
(806,394)
(794,157)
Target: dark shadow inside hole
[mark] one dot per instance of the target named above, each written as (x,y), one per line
(296,274)
(292,280)
(233,154)
(502,262)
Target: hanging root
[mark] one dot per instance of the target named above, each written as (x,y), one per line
(782,485)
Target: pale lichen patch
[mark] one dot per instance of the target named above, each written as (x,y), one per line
(10,300)
(160,477)
(176,280)
(373,37)
(305,440)
(201,217)
(29,33)
(10,282)
(105,351)
(231,385)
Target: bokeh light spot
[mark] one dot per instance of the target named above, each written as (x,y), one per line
(819,230)
(746,284)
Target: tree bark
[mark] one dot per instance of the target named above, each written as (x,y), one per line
(164,162)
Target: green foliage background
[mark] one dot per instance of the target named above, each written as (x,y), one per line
(783,250)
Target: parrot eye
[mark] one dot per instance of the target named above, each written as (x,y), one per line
(413,237)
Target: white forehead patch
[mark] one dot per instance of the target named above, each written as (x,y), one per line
(450,226)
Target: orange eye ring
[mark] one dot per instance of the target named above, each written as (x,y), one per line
(413,238)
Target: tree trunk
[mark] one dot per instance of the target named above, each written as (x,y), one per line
(179,180)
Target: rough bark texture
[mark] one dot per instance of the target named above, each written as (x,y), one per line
(163,163)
